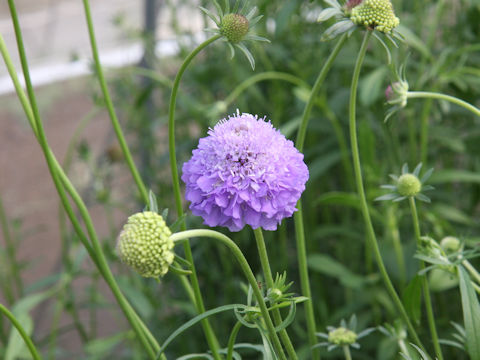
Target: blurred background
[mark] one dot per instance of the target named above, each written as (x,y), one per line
(142,44)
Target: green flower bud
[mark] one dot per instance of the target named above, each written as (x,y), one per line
(234,27)
(342,336)
(274,294)
(408,185)
(397,93)
(450,244)
(376,14)
(145,245)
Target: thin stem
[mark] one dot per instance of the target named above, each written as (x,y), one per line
(232,338)
(298,216)
(268,75)
(371,237)
(54,167)
(209,334)
(10,248)
(302,131)
(237,253)
(473,272)
(426,291)
(262,252)
(438,96)
(346,352)
(109,104)
(31,347)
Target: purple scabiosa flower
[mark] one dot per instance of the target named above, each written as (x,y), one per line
(245,172)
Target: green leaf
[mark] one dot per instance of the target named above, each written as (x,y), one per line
(471,313)
(194,321)
(16,345)
(412,298)
(138,300)
(448,176)
(371,86)
(329,266)
(99,348)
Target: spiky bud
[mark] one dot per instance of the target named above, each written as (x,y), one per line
(397,93)
(145,245)
(342,336)
(377,14)
(408,185)
(234,27)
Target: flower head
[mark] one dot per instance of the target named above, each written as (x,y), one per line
(145,245)
(245,172)
(235,26)
(375,14)
(344,335)
(408,185)
(397,93)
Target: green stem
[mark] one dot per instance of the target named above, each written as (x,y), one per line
(346,352)
(209,334)
(237,253)
(262,252)
(298,216)
(54,168)
(302,131)
(109,104)
(31,347)
(426,291)
(232,338)
(473,272)
(268,75)
(10,249)
(438,96)
(371,237)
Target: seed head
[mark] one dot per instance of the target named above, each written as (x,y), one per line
(377,14)
(342,336)
(409,185)
(145,245)
(234,27)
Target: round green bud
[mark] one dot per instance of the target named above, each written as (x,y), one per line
(377,14)
(274,294)
(342,336)
(234,27)
(145,245)
(408,185)
(450,244)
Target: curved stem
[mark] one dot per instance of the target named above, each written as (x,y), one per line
(262,252)
(438,96)
(55,170)
(371,237)
(248,274)
(31,347)
(268,75)
(109,104)
(209,334)
(232,338)
(426,291)
(298,216)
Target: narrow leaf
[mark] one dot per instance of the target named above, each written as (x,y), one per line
(471,313)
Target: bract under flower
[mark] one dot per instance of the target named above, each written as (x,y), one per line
(245,172)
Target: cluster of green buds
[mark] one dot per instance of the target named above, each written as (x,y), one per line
(375,14)
(372,14)
(145,245)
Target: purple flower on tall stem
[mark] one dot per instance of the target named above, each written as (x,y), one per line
(245,172)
